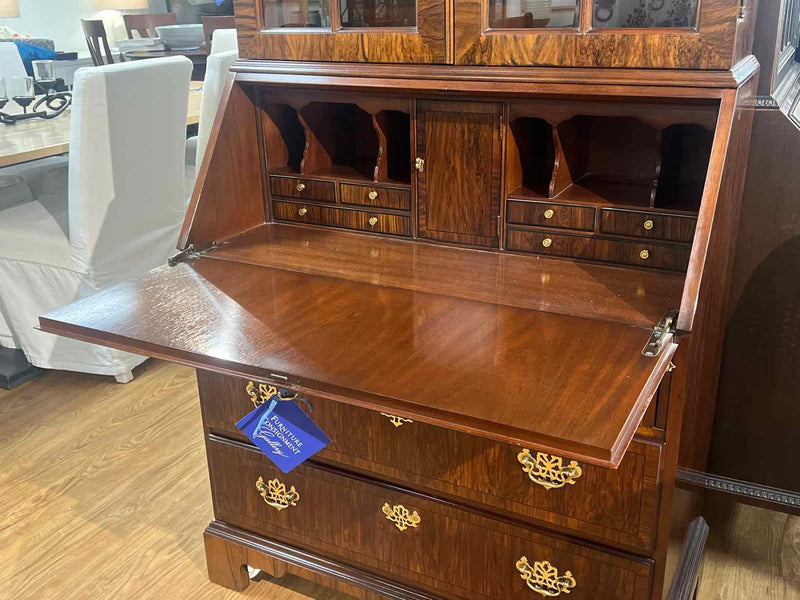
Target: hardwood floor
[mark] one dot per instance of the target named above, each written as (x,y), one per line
(105,495)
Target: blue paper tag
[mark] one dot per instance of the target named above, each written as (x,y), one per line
(283,432)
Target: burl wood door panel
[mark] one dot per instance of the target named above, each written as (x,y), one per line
(458,187)
(652,38)
(442,548)
(617,506)
(424,42)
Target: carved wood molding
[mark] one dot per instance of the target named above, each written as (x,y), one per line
(777,499)
(316,564)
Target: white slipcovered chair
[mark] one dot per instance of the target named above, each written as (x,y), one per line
(10,61)
(224,40)
(120,217)
(217,67)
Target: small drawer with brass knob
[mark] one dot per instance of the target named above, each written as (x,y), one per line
(380,197)
(672,257)
(344,218)
(307,189)
(648,224)
(548,214)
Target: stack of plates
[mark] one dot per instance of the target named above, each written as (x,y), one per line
(181,37)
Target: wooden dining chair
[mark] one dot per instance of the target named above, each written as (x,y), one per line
(96,39)
(211,24)
(147,23)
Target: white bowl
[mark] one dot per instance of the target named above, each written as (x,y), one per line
(181,37)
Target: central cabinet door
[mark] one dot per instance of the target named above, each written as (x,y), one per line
(459,156)
(400,31)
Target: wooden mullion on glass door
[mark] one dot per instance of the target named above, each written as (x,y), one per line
(336,16)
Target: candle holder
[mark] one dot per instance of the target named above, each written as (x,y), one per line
(49,106)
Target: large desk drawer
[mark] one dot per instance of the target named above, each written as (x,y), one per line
(435,545)
(617,506)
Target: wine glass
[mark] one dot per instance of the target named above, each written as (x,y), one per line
(21,89)
(44,71)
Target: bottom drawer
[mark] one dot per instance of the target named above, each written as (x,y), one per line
(337,217)
(643,254)
(416,539)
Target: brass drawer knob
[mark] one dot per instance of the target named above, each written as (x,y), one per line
(400,516)
(372,195)
(397,421)
(275,494)
(302,212)
(547,242)
(549,471)
(373,221)
(300,187)
(543,578)
(548,214)
(644,254)
(648,224)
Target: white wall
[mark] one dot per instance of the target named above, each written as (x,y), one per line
(60,20)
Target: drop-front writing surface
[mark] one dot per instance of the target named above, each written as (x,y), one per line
(576,385)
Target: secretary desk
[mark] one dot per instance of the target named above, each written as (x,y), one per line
(489,242)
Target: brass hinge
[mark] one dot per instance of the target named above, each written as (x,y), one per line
(742,8)
(191,251)
(661,335)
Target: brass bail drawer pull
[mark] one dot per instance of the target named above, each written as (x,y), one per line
(372,195)
(400,516)
(543,578)
(396,420)
(275,494)
(267,392)
(300,187)
(549,471)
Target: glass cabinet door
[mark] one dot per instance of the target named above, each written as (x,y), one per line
(385,31)
(689,34)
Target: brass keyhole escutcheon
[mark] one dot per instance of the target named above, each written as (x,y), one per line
(372,195)
(548,214)
(302,212)
(300,187)
(644,254)
(419,164)
(648,224)
(547,242)
(373,221)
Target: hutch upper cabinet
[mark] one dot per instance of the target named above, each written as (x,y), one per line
(683,34)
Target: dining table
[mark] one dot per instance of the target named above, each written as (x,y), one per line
(39,138)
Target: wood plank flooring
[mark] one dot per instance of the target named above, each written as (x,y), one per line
(104,495)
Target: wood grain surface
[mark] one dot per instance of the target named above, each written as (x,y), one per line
(607,293)
(459,188)
(573,386)
(454,552)
(119,479)
(467,469)
(709,46)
